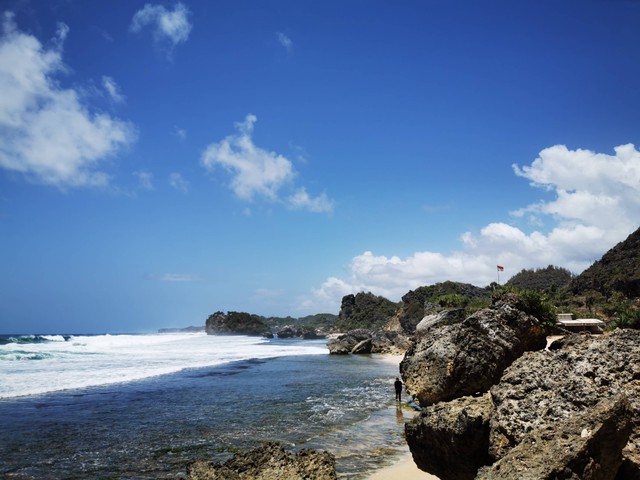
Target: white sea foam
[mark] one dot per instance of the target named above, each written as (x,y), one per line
(86,361)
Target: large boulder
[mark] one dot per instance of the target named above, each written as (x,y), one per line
(236,323)
(546,387)
(268,462)
(572,411)
(451,439)
(450,360)
(586,446)
(367,341)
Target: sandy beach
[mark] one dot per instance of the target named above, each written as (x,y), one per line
(405,468)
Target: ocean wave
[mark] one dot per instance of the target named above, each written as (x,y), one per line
(30,339)
(17,355)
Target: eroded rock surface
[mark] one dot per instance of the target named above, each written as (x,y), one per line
(572,412)
(452,360)
(268,462)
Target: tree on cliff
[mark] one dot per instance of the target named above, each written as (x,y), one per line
(365,310)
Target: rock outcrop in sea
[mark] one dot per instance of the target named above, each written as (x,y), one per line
(498,405)
(269,461)
(236,323)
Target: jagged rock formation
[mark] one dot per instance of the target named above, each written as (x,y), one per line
(448,432)
(364,311)
(617,270)
(366,341)
(238,323)
(415,303)
(268,462)
(452,360)
(572,411)
(586,446)
(292,331)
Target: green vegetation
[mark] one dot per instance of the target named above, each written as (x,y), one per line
(365,310)
(541,279)
(531,302)
(323,321)
(626,319)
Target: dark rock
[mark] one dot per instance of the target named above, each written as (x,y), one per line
(236,323)
(289,331)
(269,461)
(586,446)
(362,347)
(451,439)
(365,341)
(450,361)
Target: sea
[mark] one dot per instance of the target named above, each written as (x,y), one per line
(145,406)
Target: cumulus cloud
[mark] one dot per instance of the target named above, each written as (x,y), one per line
(47,132)
(178,182)
(257,172)
(596,204)
(169,27)
(285,42)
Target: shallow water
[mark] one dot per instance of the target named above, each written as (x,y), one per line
(152,428)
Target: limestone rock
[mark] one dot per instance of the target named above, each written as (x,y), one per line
(268,462)
(235,323)
(450,361)
(443,317)
(546,387)
(586,446)
(451,439)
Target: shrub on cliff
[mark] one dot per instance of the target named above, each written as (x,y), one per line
(531,302)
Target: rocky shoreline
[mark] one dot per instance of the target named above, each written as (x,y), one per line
(499,405)
(498,402)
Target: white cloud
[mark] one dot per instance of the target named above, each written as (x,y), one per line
(170,27)
(112,89)
(285,42)
(47,133)
(302,201)
(257,172)
(178,182)
(145,179)
(596,205)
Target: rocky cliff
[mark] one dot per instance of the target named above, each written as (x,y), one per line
(617,271)
(572,411)
(238,323)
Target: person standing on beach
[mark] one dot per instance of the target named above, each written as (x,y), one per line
(398,385)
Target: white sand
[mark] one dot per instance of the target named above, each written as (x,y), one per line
(404,469)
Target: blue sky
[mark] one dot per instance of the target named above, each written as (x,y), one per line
(160,161)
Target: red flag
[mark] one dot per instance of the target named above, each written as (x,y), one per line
(500,268)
